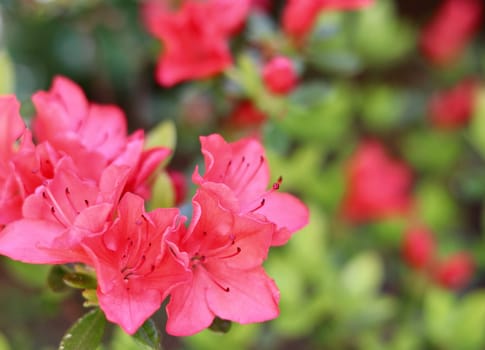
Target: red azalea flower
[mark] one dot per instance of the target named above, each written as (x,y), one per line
(455,271)
(377,186)
(418,247)
(299,15)
(226,252)
(279,75)
(245,114)
(240,172)
(195,37)
(135,266)
(60,214)
(453,108)
(12,129)
(450,30)
(94,136)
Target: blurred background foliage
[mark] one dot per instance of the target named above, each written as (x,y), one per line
(344,284)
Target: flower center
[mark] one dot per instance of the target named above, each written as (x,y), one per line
(64,210)
(226,251)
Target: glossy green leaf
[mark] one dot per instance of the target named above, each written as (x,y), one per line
(148,336)
(86,333)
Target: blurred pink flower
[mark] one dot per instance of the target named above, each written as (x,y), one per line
(454,107)
(299,16)
(246,114)
(226,253)
(418,247)
(279,75)
(136,268)
(377,185)
(450,30)
(239,173)
(195,36)
(455,271)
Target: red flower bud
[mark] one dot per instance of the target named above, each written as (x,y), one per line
(279,75)
(453,108)
(450,30)
(455,271)
(418,247)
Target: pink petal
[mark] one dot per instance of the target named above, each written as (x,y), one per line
(187,311)
(240,165)
(28,241)
(104,130)
(11,124)
(287,212)
(252,296)
(129,308)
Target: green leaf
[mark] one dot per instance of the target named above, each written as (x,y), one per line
(55,279)
(362,276)
(162,135)
(86,333)
(163,195)
(80,280)
(148,336)
(6,74)
(220,325)
(4,343)
(477,126)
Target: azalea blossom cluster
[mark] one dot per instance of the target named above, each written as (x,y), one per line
(380,187)
(195,34)
(73,189)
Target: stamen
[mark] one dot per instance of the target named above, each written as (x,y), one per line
(238,250)
(69,199)
(56,209)
(259,206)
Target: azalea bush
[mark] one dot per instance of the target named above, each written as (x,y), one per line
(244,174)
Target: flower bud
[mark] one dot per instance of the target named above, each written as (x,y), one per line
(418,247)
(455,271)
(279,75)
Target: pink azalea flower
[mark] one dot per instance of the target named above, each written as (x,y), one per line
(241,168)
(299,16)
(279,75)
(11,129)
(60,214)
(195,36)
(22,166)
(93,135)
(450,30)
(136,268)
(226,252)
(377,185)
(453,108)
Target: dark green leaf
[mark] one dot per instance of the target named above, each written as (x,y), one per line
(148,336)
(55,280)
(86,333)
(221,326)
(80,280)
